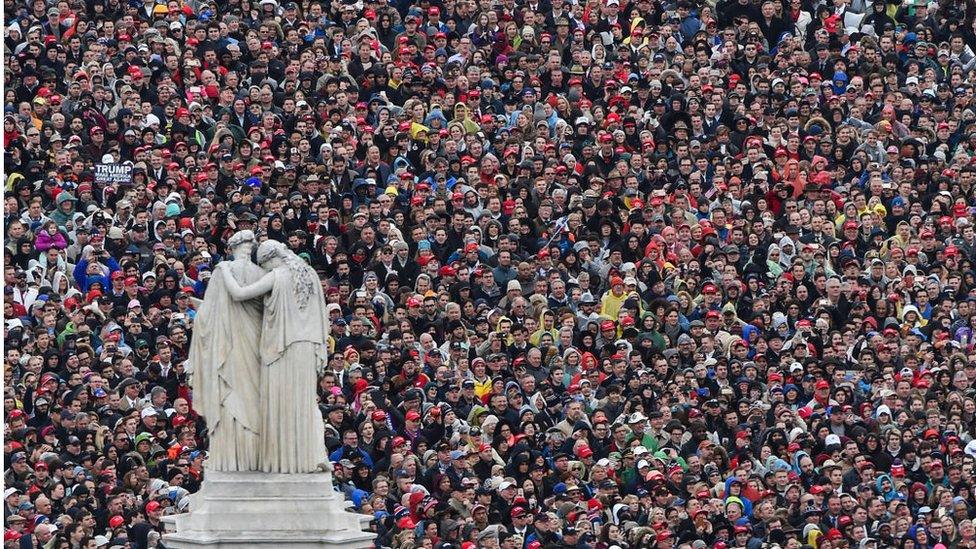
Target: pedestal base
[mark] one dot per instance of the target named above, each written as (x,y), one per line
(263,510)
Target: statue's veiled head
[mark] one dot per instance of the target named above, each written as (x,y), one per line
(271,254)
(241,243)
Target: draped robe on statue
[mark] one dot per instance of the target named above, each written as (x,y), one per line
(225,354)
(293,350)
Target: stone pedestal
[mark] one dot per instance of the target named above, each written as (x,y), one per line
(254,510)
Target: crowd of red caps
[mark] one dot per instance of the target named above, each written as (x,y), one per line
(604,274)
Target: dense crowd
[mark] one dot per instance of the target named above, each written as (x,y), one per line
(608,274)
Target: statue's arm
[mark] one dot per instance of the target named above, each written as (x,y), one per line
(239,293)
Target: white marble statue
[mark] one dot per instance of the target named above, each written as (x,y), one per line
(293,350)
(226,359)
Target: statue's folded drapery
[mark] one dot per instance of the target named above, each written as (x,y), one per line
(293,349)
(225,354)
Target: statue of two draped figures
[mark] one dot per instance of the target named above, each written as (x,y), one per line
(260,338)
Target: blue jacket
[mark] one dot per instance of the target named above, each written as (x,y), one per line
(85,281)
(341,454)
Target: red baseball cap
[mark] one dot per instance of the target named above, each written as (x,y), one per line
(116,521)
